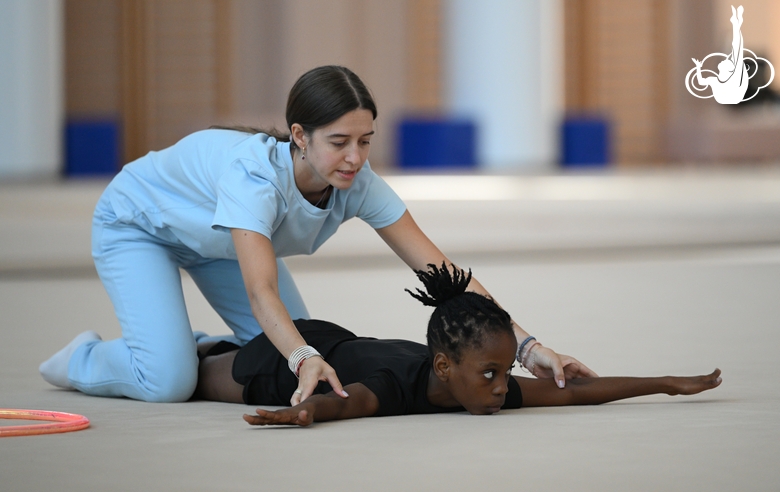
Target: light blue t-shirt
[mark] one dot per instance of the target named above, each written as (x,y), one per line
(216,180)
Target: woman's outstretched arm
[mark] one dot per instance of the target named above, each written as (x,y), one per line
(362,402)
(595,391)
(257,261)
(411,244)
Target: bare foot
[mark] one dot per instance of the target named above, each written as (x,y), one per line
(694,384)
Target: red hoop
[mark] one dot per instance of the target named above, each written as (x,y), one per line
(63,422)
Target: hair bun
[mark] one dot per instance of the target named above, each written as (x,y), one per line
(441,284)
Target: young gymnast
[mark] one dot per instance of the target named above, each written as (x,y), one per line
(466,366)
(227,205)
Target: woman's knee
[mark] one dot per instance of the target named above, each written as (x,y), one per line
(173,384)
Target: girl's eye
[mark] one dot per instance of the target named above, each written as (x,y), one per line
(366,142)
(489,374)
(338,144)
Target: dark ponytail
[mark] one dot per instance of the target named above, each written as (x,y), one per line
(273,132)
(319,97)
(461,319)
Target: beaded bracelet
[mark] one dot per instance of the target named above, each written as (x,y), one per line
(518,356)
(299,355)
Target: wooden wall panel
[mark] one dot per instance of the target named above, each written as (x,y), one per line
(258,93)
(178,66)
(181,69)
(224,57)
(424,55)
(92,58)
(133,76)
(617,63)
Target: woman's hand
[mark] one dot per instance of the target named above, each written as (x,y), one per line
(313,370)
(545,363)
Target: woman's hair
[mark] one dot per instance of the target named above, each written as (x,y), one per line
(319,97)
(461,320)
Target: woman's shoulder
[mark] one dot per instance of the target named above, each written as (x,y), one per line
(258,154)
(224,139)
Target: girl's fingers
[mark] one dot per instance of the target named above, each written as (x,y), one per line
(262,418)
(280,417)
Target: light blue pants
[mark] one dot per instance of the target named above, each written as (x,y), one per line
(156,358)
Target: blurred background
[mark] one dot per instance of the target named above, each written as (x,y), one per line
(507,86)
(616,216)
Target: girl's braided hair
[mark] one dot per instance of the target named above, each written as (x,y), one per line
(461,319)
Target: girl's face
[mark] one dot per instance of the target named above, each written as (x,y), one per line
(336,152)
(479,381)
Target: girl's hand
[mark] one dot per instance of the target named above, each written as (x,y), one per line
(547,364)
(693,385)
(313,370)
(285,416)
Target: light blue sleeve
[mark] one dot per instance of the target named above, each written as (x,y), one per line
(381,206)
(248,197)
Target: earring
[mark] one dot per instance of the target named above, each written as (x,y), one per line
(303,154)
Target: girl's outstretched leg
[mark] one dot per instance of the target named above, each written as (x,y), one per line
(215,379)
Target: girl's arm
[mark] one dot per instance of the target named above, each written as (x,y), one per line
(409,242)
(595,391)
(257,260)
(362,402)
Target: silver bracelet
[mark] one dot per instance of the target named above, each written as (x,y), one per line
(530,354)
(299,355)
(519,355)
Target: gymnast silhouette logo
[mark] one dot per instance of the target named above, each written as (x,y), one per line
(730,84)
